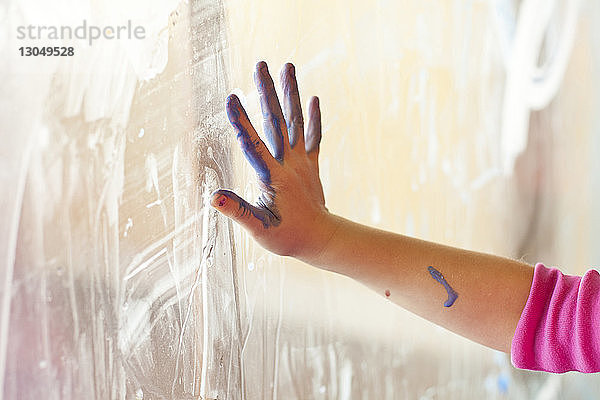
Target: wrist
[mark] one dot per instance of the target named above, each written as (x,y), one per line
(327,228)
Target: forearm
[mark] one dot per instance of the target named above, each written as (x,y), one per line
(488,293)
(492,290)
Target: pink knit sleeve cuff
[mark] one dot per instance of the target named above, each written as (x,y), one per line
(559,329)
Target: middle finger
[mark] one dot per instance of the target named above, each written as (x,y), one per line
(273,122)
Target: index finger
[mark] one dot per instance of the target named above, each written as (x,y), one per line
(253,147)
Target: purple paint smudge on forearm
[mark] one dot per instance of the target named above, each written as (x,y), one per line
(452,295)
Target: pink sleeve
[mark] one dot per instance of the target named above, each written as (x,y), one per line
(559,329)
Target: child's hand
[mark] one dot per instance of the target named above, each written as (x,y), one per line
(290,217)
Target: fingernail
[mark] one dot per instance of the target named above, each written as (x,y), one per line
(314,106)
(262,67)
(219,201)
(232,100)
(232,105)
(233,109)
(292,70)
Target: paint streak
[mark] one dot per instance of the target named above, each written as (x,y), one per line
(239,120)
(267,215)
(452,295)
(292,108)
(251,146)
(271,109)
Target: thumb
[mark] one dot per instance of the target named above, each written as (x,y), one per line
(247,215)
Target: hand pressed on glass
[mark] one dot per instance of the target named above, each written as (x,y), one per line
(290,217)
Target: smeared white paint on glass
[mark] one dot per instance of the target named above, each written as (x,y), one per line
(119,281)
(527,86)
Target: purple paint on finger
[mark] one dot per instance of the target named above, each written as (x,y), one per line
(273,121)
(263,214)
(248,145)
(266,214)
(452,295)
(291,104)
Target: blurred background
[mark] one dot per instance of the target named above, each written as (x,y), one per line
(469,123)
